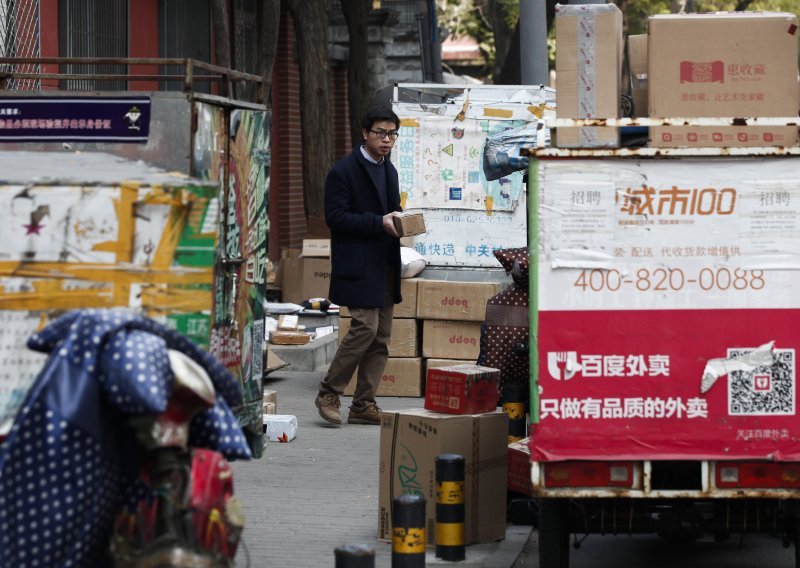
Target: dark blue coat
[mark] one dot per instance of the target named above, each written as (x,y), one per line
(360,248)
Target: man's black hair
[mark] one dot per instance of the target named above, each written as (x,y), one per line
(378,114)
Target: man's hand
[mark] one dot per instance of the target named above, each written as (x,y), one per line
(388,224)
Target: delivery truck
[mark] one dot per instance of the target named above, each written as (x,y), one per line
(664,303)
(664,325)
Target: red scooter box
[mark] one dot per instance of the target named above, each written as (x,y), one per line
(462,389)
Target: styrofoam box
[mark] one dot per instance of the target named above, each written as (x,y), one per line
(280,427)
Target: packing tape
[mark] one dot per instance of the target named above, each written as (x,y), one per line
(128,194)
(411,122)
(165,252)
(498,112)
(107,273)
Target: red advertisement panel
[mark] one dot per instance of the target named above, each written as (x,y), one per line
(668,309)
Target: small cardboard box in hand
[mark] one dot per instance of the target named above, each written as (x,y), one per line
(409,224)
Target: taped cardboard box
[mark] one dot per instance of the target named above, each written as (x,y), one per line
(436,363)
(589,46)
(404,341)
(452,300)
(405,309)
(459,339)
(462,389)
(269,401)
(409,224)
(401,377)
(279,337)
(316,248)
(519,467)
(736,64)
(410,442)
(303,278)
(637,69)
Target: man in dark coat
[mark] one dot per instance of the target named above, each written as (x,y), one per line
(361,198)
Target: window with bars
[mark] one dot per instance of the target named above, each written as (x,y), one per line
(93,28)
(19,37)
(184,30)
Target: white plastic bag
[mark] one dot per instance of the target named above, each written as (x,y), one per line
(411,262)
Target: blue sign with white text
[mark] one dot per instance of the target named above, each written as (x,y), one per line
(74,119)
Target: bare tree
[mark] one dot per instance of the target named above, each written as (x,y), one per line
(222,44)
(268,45)
(311,19)
(356,14)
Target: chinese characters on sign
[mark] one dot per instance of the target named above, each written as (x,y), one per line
(74,119)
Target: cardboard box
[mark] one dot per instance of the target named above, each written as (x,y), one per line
(279,337)
(304,278)
(410,442)
(405,309)
(316,248)
(451,339)
(409,224)
(589,48)
(404,341)
(270,397)
(452,300)
(519,467)
(401,377)
(436,363)
(736,64)
(637,70)
(462,389)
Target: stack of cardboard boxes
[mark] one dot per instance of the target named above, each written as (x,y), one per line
(403,373)
(439,319)
(722,65)
(460,417)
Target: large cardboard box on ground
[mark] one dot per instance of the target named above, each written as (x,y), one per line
(405,309)
(637,70)
(589,49)
(401,377)
(458,339)
(404,341)
(453,300)
(462,389)
(303,278)
(737,64)
(410,442)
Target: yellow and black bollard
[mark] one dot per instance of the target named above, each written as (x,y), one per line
(355,556)
(408,532)
(450,507)
(514,398)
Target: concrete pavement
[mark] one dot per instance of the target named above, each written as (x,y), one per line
(320,491)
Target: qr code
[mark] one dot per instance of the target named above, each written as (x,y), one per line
(764,391)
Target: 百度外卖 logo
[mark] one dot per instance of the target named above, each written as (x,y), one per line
(562,365)
(566,365)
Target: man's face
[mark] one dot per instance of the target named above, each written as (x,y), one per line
(379,145)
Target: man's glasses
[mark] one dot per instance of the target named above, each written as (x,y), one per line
(381,133)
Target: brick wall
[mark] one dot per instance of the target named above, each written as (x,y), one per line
(342,144)
(287,208)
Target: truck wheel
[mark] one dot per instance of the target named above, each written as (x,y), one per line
(554,533)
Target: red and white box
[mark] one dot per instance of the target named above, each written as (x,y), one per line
(519,467)
(462,389)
